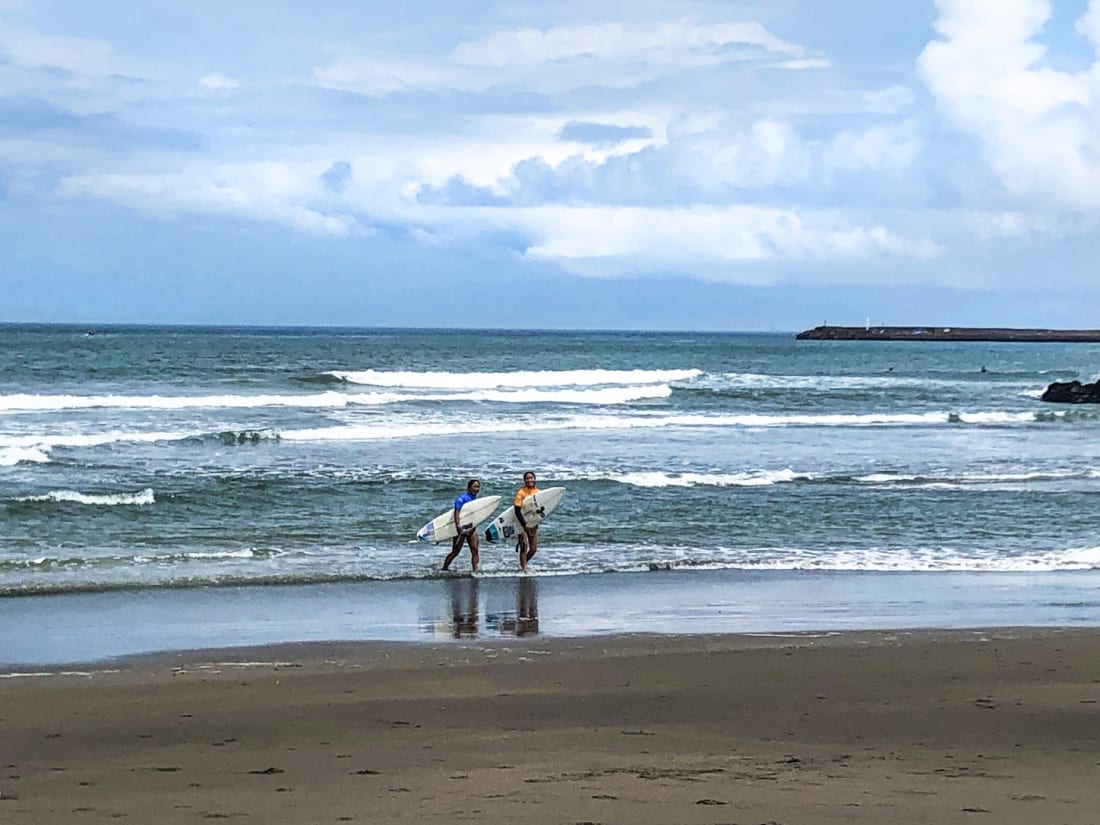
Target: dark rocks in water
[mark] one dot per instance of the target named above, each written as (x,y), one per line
(1072,392)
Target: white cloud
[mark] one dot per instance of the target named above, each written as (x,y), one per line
(1038,126)
(607,54)
(891,146)
(994,225)
(803,63)
(82,74)
(273,192)
(615,239)
(678,43)
(217,82)
(26,47)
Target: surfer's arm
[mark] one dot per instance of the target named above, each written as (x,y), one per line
(519,516)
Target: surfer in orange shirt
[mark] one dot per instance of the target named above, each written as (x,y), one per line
(528,543)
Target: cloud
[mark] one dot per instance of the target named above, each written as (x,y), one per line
(678,42)
(460,192)
(72,55)
(602,134)
(218,82)
(877,148)
(42,120)
(1038,126)
(610,55)
(713,161)
(283,193)
(712,242)
(338,176)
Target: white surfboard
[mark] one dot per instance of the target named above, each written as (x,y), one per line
(535,508)
(442,527)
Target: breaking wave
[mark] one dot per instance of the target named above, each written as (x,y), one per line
(140,498)
(751,478)
(33,454)
(513,380)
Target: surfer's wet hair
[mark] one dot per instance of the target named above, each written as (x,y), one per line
(471,483)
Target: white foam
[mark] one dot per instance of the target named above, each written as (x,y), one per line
(886,381)
(604,397)
(244,553)
(141,497)
(999,417)
(923,559)
(10,456)
(332,400)
(753,478)
(42,674)
(516,380)
(757,381)
(972,478)
(41,442)
(50,403)
(394,429)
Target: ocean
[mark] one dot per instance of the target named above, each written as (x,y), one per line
(145,459)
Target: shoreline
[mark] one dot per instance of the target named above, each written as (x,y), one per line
(39,630)
(940,333)
(926,726)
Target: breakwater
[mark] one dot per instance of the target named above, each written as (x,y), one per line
(927,333)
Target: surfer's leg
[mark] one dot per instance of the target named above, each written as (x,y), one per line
(456,546)
(474,557)
(532,542)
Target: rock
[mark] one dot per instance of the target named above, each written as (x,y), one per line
(1072,392)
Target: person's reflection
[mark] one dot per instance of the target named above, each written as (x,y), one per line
(527,606)
(524,620)
(464,604)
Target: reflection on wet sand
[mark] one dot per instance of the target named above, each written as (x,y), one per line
(461,619)
(464,608)
(524,621)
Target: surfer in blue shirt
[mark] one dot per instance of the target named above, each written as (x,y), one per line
(473,487)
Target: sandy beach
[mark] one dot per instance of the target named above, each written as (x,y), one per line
(878,727)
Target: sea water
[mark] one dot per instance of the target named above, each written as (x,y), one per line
(136,457)
(162,460)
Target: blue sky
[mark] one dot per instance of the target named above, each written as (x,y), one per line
(663,165)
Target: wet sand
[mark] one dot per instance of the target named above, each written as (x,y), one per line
(918,727)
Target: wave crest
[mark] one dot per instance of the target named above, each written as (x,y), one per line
(10,456)
(511,380)
(140,498)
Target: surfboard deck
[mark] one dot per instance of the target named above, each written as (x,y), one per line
(442,527)
(535,509)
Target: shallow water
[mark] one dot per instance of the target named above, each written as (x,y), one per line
(85,627)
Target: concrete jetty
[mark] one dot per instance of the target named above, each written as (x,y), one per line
(928,333)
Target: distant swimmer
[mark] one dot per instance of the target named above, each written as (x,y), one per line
(469,535)
(528,543)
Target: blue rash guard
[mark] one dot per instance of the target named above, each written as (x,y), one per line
(465,498)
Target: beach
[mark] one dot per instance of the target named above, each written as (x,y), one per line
(858,727)
(791,582)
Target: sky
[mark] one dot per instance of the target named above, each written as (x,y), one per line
(759,165)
